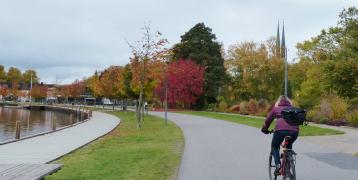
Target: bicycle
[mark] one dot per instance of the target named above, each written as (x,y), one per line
(288,162)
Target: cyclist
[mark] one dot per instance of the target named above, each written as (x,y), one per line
(282,129)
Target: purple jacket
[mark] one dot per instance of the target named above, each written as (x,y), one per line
(281,124)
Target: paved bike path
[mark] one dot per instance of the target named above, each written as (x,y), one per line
(221,150)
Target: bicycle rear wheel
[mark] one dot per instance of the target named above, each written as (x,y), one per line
(290,170)
(272,168)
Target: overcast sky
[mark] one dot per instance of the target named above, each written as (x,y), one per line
(69,39)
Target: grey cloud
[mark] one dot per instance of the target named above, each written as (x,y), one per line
(72,38)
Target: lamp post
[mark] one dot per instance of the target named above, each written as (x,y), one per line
(166,94)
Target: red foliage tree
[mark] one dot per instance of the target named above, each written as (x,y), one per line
(185,83)
(39,91)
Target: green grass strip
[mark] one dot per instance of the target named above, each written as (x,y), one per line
(152,153)
(309,130)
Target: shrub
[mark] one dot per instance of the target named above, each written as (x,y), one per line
(252,106)
(235,108)
(326,109)
(352,118)
(244,108)
(353,103)
(338,106)
(211,107)
(222,106)
(332,110)
(316,116)
(262,105)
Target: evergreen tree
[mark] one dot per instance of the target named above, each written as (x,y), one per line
(199,45)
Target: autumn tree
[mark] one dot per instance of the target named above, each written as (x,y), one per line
(111,82)
(255,71)
(39,91)
(93,83)
(199,44)
(146,50)
(185,83)
(75,89)
(4,91)
(127,80)
(15,88)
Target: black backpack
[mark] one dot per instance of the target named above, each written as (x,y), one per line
(294,116)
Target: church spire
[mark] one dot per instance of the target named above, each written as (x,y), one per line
(278,44)
(284,56)
(283,43)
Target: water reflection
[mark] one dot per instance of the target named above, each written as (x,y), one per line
(32,122)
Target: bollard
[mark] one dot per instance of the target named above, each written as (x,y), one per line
(18,129)
(71,119)
(53,123)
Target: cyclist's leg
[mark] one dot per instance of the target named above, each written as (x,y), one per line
(294,136)
(275,146)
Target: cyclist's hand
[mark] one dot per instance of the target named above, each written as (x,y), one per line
(264,130)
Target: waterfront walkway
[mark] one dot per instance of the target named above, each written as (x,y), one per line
(46,148)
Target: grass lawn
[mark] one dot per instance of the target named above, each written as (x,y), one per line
(309,130)
(152,153)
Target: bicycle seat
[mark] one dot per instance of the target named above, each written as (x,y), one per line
(287,138)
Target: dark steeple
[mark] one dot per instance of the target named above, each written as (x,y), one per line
(283,44)
(278,44)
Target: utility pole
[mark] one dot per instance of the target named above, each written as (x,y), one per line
(30,88)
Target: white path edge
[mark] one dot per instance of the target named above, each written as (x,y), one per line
(49,147)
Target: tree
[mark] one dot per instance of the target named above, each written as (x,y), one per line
(38,91)
(199,45)
(127,77)
(2,74)
(336,51)
(149,48)
(255,70)
(15,88)
(14,74)
(26,76)
(93,83)
(76,89)
(297,74)
(111,82)
(185,83)
(311,89)
(4,91)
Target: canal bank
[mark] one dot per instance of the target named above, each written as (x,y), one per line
(22,122)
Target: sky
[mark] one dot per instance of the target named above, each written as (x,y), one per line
(64,40)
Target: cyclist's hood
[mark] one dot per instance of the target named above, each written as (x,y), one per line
(284,102)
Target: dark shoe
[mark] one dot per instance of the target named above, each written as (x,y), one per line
(277,170)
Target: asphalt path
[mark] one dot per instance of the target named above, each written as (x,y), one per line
(221,150)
